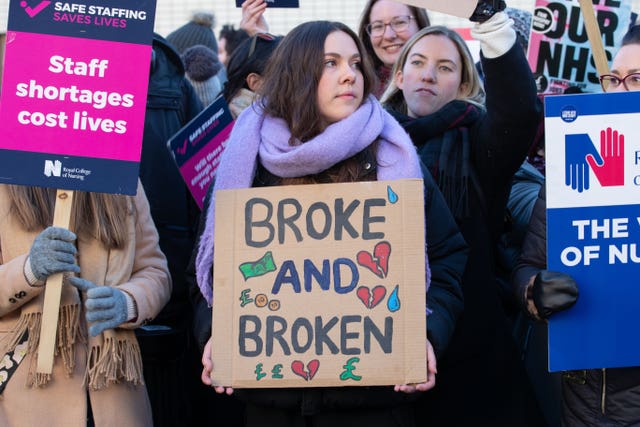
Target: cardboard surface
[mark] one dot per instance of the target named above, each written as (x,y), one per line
(460,8)
(320,285)
(593,227)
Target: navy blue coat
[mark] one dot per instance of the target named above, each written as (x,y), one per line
(171,104)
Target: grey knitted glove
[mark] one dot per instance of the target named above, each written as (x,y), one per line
(106,306)
(52,252)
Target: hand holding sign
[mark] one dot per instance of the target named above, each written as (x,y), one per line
(253,21)
(486,9)
(106,307)
(269,3)
(53,251)
(432,370)
(552,292)
(207,367)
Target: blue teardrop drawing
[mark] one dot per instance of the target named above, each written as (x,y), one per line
(391,195)
(393,303)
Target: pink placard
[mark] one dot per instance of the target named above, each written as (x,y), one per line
(73,96)
(198,172)
(559,50)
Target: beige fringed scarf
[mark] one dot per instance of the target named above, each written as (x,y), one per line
(113,357)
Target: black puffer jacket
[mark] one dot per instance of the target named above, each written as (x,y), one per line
(593,397)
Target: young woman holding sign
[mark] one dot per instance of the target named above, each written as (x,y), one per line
(116,278)
(317,107)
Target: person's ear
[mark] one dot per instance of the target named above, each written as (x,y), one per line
(399,79)
(463,89)
(254,81)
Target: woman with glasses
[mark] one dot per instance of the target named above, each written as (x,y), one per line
(385,26)
(317,122)
(625,68)
(472,142)
(592,397)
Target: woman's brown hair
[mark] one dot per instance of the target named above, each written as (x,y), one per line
(102,216)
(290,87)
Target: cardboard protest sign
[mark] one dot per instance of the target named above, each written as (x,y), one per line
(460,8)
(320,285)
(74,92)
(275,3)
(560,54)
(593,226)
(197,147)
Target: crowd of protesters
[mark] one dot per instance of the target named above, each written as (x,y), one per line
(397,98)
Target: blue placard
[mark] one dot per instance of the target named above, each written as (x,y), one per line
(593,227)
(275,3)
(69,172)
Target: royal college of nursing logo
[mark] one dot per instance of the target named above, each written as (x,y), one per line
(52,168)
(581,156)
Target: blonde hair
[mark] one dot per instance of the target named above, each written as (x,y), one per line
(102,216)
(474,93)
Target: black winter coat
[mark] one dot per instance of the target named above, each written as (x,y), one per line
(447,253)
(171,104)
(593,397)
(481,380)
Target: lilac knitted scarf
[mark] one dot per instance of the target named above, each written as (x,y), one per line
(257,135)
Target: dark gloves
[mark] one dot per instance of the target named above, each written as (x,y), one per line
(106,306)
(553,292)
(486,9)
(52,252)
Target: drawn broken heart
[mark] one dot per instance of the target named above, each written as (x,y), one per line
(378,263)
(371,298)
(312,368)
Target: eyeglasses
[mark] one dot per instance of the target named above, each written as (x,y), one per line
(398,24)
(631,82)
(262,36)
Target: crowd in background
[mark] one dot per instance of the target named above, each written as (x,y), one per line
(396,98)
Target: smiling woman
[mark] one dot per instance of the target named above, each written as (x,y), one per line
(385,26)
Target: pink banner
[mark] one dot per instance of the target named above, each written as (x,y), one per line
(559,49)
(74,96)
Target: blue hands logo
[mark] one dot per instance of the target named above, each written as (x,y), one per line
(607,165)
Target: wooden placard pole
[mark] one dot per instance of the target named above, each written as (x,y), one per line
(53,290)
(595,37)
